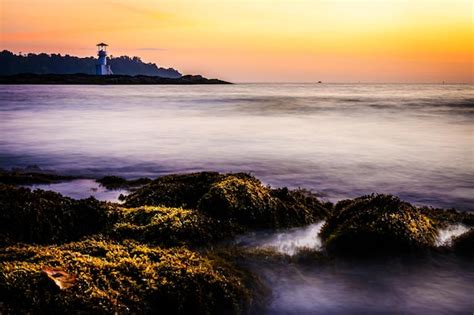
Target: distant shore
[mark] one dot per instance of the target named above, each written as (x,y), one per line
(86,79)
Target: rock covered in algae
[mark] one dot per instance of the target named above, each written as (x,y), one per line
(119,278)
(446,217)
(165,226)
(241,200)
(44,216)
(182,190)
(375,224)
(236,199)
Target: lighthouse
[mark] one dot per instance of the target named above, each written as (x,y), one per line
(102,68)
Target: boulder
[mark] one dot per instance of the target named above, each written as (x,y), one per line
(44,216)
(182,190)
(165,226)
(464,244)
(376,224)
(238,200)
(241,200)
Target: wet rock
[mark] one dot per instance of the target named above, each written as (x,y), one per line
(464,244)
(128,278)
(30,176)
(182,190)
(445,217)
(376,224)
(234,199)
(44,216)
(115,182)
(241,200)
(299,207)
(166,226)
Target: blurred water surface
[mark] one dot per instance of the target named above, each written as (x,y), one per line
(340,140)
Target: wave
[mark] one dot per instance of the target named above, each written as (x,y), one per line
(289,242)
(446,235)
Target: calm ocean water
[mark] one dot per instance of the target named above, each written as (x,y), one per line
(340,140)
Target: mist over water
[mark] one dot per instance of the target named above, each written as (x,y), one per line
(339,140)
(437,285)
(285,242)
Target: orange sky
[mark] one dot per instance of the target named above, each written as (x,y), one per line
(259,40)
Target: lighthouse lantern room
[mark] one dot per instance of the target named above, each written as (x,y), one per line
(102,68)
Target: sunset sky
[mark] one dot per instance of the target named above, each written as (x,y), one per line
(259,40)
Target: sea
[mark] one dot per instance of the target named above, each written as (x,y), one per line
(339,140)
(415,141)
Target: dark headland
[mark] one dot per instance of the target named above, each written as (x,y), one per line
(65,69)
(85,79)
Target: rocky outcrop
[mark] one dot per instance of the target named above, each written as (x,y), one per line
(104,277)
(376,224)
(238,200)
(45,217)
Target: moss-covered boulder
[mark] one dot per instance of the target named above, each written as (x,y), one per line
(376,224)
(44,216)
(243,201)
(238,200)
(464,244)
(165,226)
(98,277)
(182,190)
(299,207)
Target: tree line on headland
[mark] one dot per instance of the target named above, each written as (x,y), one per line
(11,64)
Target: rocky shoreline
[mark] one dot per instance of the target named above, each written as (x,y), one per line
(166,247)
(87,79)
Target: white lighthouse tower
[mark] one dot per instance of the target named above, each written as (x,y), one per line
(102,68)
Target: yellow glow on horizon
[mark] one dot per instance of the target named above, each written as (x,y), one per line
(260,40)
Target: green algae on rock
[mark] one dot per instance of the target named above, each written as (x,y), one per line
(376,224)
(165,226)
(44,216)
(119,278)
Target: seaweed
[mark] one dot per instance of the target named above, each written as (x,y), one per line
(44,216)
(166,226)
(238,200)
(444,217)
(376,224)
(181,190)
(110,277)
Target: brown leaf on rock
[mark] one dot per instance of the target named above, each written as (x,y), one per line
(61,278)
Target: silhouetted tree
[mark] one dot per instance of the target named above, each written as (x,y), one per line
(56,64)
